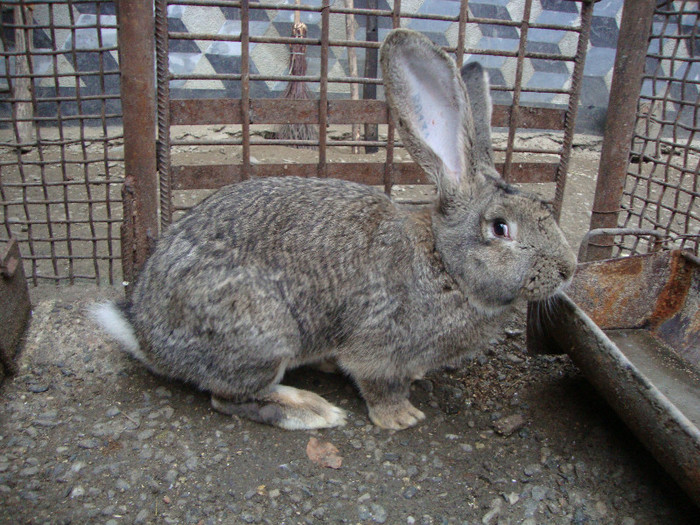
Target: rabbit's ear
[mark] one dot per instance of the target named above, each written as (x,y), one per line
(476,81)
(430,108)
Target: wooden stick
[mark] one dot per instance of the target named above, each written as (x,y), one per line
(22,87)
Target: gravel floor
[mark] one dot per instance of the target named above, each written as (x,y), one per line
(88,436)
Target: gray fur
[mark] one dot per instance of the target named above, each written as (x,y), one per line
(270,274)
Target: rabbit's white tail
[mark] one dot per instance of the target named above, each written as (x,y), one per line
(112,320)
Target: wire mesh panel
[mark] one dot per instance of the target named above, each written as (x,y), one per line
(60,138)
(262,74)
(662,189)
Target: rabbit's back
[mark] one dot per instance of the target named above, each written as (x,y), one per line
(281,224)
(316,245)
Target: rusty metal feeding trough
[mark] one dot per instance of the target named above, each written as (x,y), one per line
(632,325)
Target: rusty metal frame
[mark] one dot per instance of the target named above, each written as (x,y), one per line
(649,173)
(140,226)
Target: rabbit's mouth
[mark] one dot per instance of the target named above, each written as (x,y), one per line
(536,291)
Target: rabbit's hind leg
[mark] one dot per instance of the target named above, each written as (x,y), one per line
(285,407)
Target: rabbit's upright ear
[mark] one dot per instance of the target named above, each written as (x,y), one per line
(430,107)
(479,91)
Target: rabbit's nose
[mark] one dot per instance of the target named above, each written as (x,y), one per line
(567,269)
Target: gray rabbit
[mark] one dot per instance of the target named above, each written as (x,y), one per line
(271,274)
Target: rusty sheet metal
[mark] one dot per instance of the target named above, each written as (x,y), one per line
(676,319)
(275,111)
(16,309)
(214,176)
(654,409)
(621,293)
(647,363)
(658,292)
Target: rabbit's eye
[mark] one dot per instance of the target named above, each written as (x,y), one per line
(500,229)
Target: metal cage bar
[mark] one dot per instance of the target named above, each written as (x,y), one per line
(63,196)
(61,136)
(649,170)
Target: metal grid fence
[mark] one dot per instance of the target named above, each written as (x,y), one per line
(60,138)
(662,187)
(61,143)
(331,108)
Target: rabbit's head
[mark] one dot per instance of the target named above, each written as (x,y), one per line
(499,244)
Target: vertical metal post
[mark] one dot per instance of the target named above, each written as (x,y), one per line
(515,107)
(369,91)
(632,45)
(163,92)
(245,89)
(140,191)
(572,110)
(323,90)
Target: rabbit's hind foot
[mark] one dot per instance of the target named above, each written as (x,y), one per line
(285,407)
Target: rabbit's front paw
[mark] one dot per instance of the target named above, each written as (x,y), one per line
(395,417)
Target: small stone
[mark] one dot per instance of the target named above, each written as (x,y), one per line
(601,508)
(112,412)
(191,463)
(38,388)
(512,498)
(514,359)
(141,517)
(539,492)
(145,434)
(88,443)
(532,470)
(122,485)
(162,392)
(410,492)
(628,521)
(171,476)
(363,513)
(505,426)
(378,513)
(494,510)
(77,492)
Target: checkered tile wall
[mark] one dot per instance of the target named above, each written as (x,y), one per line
(207,57)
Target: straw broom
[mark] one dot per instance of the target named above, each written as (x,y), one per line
(297,90)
